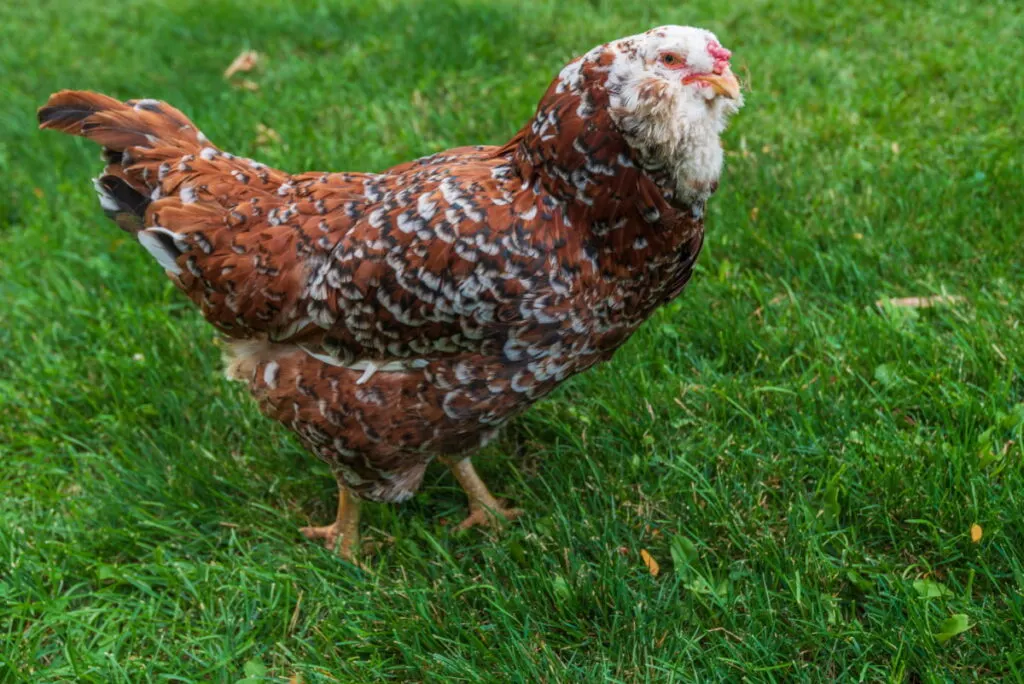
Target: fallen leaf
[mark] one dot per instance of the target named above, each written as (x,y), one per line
(955,624)
(754,213)
(254,669)
(245,61)
(930,589)
(247,84)
(652,565)
(920,302)
(265,136)
(975,533)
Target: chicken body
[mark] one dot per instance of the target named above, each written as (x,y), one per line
(391,318)
(486,313)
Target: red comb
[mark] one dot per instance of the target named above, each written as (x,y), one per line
(718,52)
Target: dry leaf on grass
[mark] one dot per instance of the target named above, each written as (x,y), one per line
(266,136)
(777,299)
(975,533)
(920,302)
(245,61)
(652,565)
(247,84)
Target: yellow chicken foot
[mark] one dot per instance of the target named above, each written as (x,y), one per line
(484,509)
(345,527)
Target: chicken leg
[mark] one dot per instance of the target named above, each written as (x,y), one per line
(484,509)
(345,526)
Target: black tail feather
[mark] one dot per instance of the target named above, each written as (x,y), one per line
(128,198)
(121,202)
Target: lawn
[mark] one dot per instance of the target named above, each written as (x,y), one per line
(810,469)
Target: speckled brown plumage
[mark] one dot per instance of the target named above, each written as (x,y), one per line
(390,318)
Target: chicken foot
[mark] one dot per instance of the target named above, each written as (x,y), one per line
(484,509)
(343,533)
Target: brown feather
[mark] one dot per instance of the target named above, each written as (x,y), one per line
(477,279)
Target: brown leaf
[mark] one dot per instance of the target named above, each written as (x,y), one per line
(975,533)
(652,565)
(245,61)
(920,302)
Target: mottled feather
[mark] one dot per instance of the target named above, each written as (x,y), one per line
(390,317)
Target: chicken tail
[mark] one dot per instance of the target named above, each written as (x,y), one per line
(216,223)
(138,137)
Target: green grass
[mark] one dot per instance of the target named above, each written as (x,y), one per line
(804,465)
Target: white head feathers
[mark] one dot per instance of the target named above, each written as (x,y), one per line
(671,93)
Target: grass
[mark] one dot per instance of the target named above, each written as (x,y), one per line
(804,465)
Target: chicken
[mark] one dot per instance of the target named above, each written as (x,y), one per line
(392,318)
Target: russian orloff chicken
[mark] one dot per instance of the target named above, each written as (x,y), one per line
(391,318)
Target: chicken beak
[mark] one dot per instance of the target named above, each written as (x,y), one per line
(724,83)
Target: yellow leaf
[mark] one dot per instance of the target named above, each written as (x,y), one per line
(652,565)
(975,533)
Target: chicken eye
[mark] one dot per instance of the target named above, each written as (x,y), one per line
(671,60)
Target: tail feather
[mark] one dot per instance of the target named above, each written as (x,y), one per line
(216,223)
(66,110)
(115,124)
(121,202)
(135,135)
